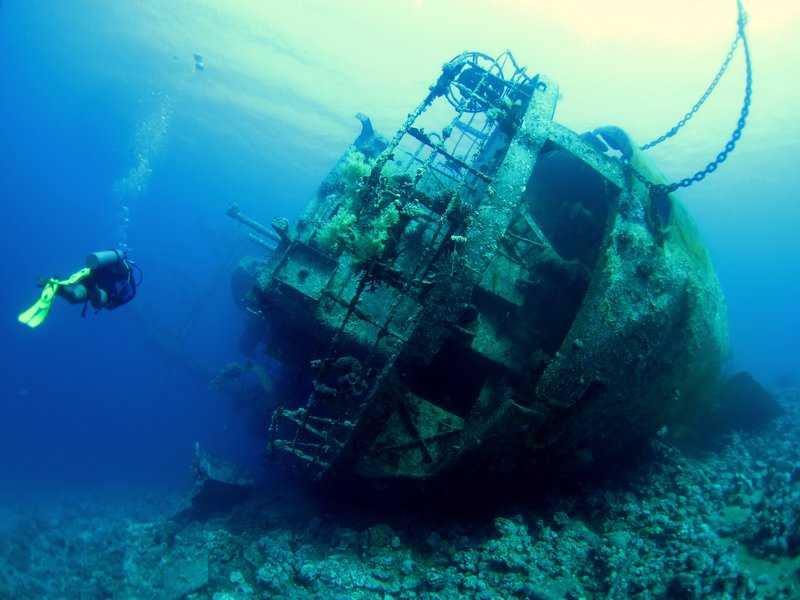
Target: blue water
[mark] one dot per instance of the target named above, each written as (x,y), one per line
(102,108)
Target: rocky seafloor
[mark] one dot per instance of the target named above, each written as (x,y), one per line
(721,523)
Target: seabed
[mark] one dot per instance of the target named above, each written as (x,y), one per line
(719,523)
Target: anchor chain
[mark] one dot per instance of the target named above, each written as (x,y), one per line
(662,188)
(688,116)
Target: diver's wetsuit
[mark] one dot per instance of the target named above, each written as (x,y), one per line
(107,287)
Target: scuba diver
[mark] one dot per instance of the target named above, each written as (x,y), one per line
(109,280)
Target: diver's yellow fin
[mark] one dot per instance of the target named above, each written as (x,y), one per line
(36,314)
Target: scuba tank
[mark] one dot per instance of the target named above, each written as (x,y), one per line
(114,275)
(103,258)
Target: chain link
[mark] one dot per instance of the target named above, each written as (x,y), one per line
(722,156)
(679,125)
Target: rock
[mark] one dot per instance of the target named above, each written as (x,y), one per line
(306,574)
(377,539)
(185,576)
(407,567)
(793,539)
(619,539)
(743,404)
(683,587)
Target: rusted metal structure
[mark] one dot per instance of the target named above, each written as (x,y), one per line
(484,291)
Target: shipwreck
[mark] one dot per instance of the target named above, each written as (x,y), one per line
(482,293)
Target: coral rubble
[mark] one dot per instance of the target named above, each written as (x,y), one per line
(722,524)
